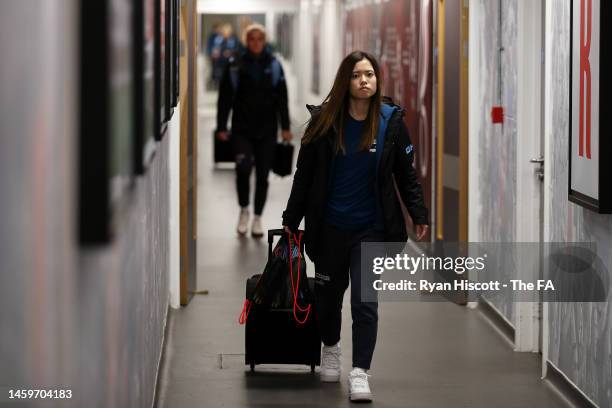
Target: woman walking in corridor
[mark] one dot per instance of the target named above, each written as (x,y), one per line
(355,145)
(253,88)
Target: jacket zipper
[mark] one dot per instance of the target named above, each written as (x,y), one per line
(333,159)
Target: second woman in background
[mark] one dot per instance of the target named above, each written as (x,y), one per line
(253,87)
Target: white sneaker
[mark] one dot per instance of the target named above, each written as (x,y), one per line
(243,221)
(330,363)
(359,388)
(256,230)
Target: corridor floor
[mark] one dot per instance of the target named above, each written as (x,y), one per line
(432,354)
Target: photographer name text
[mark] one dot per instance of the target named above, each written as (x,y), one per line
(424,285)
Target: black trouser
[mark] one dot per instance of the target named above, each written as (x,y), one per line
(340,257)
(261,150)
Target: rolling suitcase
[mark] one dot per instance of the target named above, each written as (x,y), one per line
(273,335)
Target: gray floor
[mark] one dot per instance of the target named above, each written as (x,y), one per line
(432,354)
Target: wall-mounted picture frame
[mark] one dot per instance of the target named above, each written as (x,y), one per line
(161,113)
(106,169)
(176,51)
(144,84)
(284,34)
(315,79)
(169,66)
(590,146)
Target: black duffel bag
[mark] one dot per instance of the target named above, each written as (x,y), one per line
(283,283)
(283,159)
(223,149)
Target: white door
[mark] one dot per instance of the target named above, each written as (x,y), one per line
(530,161)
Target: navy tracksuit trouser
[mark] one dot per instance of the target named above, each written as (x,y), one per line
(257,151)
(339,260)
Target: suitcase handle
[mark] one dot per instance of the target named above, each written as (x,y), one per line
(278,232)
(274,232)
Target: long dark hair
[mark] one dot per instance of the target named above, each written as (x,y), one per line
(335,106)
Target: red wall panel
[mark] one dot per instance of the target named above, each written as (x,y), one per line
(399,34)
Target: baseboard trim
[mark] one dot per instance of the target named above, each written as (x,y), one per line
(567,388)
(161,364)
(497,319)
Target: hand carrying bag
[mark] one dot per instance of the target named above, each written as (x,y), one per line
(223,149)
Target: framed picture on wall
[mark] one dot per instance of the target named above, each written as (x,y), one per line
(284,35)
(161,114)
(315,80)
(169,66)
(590,146)
(106,142)
(144,85)
(176,50)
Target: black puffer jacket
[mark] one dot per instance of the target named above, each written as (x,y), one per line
(312,181)
(257,104)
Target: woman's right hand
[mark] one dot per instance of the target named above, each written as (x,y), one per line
(421,231)
(223,135)
(286,229)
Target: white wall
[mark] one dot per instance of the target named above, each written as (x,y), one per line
(577,336)
(475,123)
(122,299)
(304,55)
(579,339)
(38,133)
(331,43)
(493,147)
(86,319)
(174,192)
(330,47)
(246,6)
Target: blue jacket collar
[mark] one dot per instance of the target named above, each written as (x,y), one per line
(386,111)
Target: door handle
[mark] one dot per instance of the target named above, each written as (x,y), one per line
(540,170)
(539,160)
(540,173)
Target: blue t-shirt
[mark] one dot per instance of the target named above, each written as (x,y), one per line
(352,198)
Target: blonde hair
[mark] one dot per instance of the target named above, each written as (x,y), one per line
(226,29)
(253,27)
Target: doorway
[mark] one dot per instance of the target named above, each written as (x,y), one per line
(452,127)
(530,161)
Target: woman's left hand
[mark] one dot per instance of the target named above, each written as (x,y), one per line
(287,135)
(421,231)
